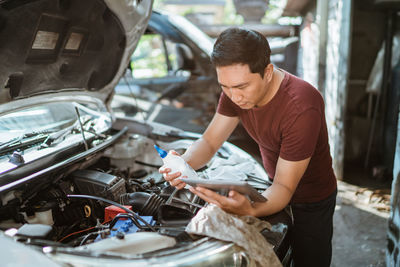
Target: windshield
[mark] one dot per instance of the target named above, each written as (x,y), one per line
(198,37)
(50,117)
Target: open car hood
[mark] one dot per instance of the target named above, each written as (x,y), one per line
(49,46)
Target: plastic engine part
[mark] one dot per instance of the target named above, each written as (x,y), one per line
(126,226)
(92,182)
(111,211)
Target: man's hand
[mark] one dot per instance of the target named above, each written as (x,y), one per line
(235,203)
(203,149)
(171,177)
(287,176)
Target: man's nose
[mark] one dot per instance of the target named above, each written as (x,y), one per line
(236,96)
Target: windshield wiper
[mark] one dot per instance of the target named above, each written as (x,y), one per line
(46,138)
(22,140)
(60,135)
(10,142)
(56,136)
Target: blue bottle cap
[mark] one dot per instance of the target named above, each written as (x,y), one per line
(160,151)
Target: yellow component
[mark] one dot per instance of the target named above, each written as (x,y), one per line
(88,210)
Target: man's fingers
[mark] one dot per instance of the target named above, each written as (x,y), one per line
(178,184)
(207,195)
(181,185)
(175,182)
(174,152)
(171,176)
(235,203)
(204,197)
(235,195)
(164,169)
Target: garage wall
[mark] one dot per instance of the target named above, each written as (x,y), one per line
(326,39)
(337,69)
(392,252)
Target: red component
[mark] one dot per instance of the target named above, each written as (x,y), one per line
(111,211)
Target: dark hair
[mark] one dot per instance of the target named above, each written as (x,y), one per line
(242,46)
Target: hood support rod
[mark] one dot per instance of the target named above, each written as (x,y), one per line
(82,131)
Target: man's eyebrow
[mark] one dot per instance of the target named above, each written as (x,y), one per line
(234,86)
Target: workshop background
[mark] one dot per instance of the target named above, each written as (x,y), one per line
(350,51)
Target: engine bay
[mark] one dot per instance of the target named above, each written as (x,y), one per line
(110,195)
(78,210)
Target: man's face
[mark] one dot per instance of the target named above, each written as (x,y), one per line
(245,89)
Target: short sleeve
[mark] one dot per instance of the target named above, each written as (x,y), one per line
(226,106)
(299,137)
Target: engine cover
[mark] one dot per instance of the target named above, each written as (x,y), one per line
(98,183)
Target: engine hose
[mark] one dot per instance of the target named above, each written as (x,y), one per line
(137,217)
(124,215)
(144,203)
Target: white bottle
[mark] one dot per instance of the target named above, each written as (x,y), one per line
(176,164)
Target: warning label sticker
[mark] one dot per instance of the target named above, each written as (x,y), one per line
(45,40)
(74,41)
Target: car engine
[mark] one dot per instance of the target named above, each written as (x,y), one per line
(76,209)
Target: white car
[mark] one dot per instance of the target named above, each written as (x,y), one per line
(80,186)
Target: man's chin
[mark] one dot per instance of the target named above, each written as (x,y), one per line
(245,106)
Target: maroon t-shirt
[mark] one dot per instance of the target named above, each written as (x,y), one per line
(291,126)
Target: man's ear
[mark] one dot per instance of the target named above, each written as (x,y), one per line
(268,72)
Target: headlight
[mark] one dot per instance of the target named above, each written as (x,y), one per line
(204,252)
(226,255)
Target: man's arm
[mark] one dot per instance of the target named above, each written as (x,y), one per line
(203,149)
(217,132)
(287,177)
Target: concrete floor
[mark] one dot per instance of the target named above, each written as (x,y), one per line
(359,228)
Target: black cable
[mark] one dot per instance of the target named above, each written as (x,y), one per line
(124,215)
(137,217)
(147,164)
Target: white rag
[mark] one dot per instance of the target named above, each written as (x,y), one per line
(244,231)
(233,168)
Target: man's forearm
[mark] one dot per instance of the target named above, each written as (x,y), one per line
(199,153)
(279,194)
(278,198)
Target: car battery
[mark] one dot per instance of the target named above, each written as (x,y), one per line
(111,211)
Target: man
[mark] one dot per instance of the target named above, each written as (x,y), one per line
(285,116)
